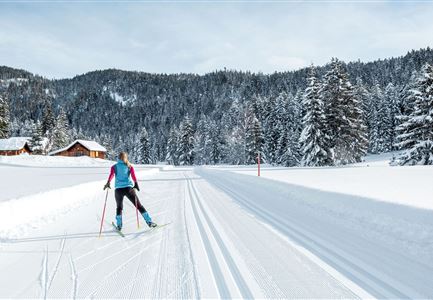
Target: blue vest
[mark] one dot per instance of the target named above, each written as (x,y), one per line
(123,175)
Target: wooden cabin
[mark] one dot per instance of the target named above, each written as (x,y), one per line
(82,148)
(14,146)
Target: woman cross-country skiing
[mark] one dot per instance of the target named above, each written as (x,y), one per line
(125,184)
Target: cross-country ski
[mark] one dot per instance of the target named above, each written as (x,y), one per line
(116,229)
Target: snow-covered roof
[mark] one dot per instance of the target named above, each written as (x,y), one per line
(13,143)
(89,145)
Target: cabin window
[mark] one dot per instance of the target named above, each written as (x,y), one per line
(96,153)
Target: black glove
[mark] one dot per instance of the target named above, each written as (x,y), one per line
(136,186)
(107,186)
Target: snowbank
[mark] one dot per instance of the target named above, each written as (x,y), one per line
(54,161)
(373,179)
(20,215)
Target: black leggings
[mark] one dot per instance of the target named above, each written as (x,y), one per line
(129,192)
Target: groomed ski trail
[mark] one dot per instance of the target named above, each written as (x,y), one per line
(213,248)
(367,266)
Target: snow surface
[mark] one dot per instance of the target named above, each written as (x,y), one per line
(89,145)
(18,81)
(53,161)
(374,179)
(118,97)
(230,235)
(26,175)
(13,143)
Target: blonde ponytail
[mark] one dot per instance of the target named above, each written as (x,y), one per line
(123,156)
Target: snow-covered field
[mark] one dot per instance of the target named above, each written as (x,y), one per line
(292,233)
(374,179)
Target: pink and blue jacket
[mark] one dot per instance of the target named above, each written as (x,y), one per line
(125,177)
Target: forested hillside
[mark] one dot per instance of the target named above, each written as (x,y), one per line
(224,116)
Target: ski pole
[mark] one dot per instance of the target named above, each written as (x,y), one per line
(136,211)
(103,213)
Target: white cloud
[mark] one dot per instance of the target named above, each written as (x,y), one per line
(64,39)
(280,63)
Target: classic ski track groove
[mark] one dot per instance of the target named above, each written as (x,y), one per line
(74,277)
(135,277)
(56,266)
(236,274)
(130,285)
(140,243)
(218,276)
(110,256)
(369,281)
(263,279)
(188,238)
(107,245)
(119,267)
(44,274)
(162,254)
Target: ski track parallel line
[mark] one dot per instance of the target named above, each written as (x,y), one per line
(135,277)
(44,274)
(158,283)
(74,277)
(119,267)
(240,282)
(368,280)
(113,254)
(191,257)
(220,282)
(56,267)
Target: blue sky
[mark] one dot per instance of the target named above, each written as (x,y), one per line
(66,38)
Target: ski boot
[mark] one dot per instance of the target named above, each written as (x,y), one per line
(119,222)
(148,220)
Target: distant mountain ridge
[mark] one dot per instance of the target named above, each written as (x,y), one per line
(112,105)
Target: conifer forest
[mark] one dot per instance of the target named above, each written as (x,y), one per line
(317,116)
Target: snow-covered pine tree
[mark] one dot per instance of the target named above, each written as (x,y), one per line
(107,142)
(257,107)
(289,128)
(217,143)
(233,127)
(343,114)
(143,149)
(4,118)
(391,103)
(202,146)
(48,121)
(254,141)
(275,124)
(407,101)
(155,150)
(186,142)
(416,134)
(60,133)
(381,119)
(373,115)
(172,147)
(36,142)
(24,129)
(294,127)
(281,113)
(314,141)
(288,149)
(363,96)
(357,133)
